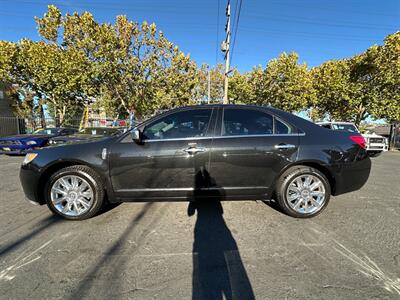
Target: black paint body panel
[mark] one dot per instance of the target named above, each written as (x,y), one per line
(244,167)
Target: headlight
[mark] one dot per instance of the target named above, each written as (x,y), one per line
(29,157)
(31,143)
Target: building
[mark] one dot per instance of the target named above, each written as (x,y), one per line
(9,124)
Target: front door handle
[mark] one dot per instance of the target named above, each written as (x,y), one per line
(193,151)
(285,146)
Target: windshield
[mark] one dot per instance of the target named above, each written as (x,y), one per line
(47,131)
(345,127)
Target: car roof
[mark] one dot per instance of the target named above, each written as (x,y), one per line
(323,123)
(299,122)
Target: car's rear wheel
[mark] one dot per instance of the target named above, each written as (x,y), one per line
(303,192)
(75,192)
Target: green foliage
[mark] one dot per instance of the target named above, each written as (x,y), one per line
(127,66)
(216,86)
(364,85)
(124,66)
(385,78)
(335,93)
(284,84)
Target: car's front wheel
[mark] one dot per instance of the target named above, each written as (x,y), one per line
(74,192)
(303,192)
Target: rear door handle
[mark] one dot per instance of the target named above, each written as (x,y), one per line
(285,146)
(193,149)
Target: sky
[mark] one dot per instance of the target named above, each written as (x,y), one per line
(318,30)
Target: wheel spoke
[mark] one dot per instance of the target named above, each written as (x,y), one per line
(294,189)
(314,202)
(315,185)
(298,203)
(299,183)
(65,183)
(66,208)
(76,208)
(74,181)
(84,203)
(59,191)
(83,186)
(87,194)
(317,194)
(59,200)
(307,181)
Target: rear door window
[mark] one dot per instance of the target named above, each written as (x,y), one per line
(282,128)
(246,122)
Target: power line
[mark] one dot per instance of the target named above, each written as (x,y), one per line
(236,27)
(217,40)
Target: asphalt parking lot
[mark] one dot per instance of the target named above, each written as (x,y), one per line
(240,250)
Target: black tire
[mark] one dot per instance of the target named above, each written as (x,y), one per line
(283,184)
(92,178)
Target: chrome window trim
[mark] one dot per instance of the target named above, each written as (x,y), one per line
(261,135)
(224,137)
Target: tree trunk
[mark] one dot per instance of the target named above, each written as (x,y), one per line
(42,117)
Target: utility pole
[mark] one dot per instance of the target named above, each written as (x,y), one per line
(209,87)
(225,48)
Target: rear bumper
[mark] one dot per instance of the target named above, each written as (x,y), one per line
(377,148)
(30,181)
(352,176)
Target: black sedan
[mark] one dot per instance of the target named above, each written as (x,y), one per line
(219,152)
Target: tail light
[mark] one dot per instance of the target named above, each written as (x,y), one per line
(359,140)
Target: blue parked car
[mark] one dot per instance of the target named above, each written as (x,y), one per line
(21,144)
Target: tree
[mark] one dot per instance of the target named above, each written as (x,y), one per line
(284,84)
(135,66)
(288,84)
(385,78)
(123,66)
(241,87)
(364,85)
(216,83)
(334,93)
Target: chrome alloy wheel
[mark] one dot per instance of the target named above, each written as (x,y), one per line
(306,194)
(72,195)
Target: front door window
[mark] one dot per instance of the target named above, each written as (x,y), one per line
(180,125)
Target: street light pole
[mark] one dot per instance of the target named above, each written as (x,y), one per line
(209,87)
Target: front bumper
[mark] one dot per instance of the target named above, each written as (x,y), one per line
(29,178)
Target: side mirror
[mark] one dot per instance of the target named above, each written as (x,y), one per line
(136,135)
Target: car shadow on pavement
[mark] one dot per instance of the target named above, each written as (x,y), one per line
(218,271)
(38,228)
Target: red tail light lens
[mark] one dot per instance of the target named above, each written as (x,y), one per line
(358,139)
